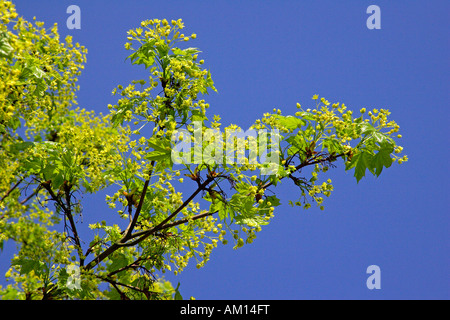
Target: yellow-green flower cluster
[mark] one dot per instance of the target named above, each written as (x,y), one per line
(50,69)
(159,30)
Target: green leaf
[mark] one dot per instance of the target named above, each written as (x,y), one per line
(373,137)
(274,179)
(198,115)
(21,146)
(162,152)
(158,156)
(209,83)
(122,109)
(382,159)
(87,185)
(362,161)
(28,265)
(177,295)
(37,72)
(297,143)
(32,165)
(148,61)
(144,55)
(306,115)
(162,48)
(10,293)
(289,122)
(243,187)
(63,275)
(133,56)
(118,261)
(366,128)
(159,145)
(191,51)
(5,48)
(275,202)
(332,144)
(67,159)
(251,221)
(186,53)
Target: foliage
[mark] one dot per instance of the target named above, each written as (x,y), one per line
(52,153)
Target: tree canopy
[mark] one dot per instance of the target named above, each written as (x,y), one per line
(155,139)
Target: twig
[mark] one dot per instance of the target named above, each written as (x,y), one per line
(144,234)
(11,189)
(68,213)
(308,163)
(31,195)
(139,207)
(193,218)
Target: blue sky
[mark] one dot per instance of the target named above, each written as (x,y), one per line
(273,54)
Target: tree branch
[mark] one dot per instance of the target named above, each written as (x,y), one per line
(308,163)
(193,218)
(144,234)
(139,207)
(54,197)
(11,189)
(31,195)
(115,283)
(68,213)
(103,255)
